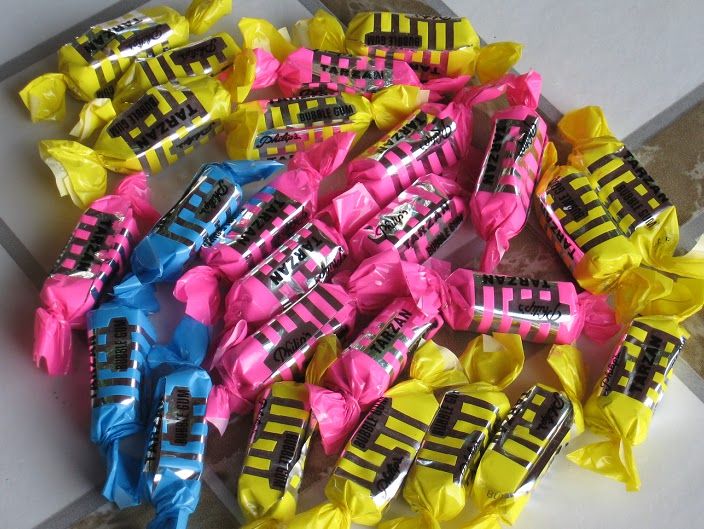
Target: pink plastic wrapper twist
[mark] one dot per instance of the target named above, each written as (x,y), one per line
(278,350)
(416,224)
(92,259)
(537,310)
(312,72)
(431,140)
(501,199)
(363,372)
(274,213)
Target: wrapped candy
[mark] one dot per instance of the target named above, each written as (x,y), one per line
(430,140)
(278,128)
(314,72)
(274,213)
(120,339)
(409,299)
(501,199)
(174,459)
(279,350)
(378,456)
(276,453)
(94,256)
(639,207)
(416,223)
(321,32)
(586,238)
(536,309)
(202,14)
(167,122)
(635,378)
(520,452)
(438,483)
(433,46)
(212,198)
(92,63)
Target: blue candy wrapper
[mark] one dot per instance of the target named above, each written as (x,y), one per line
(173,462)
(120,338)
(208,204)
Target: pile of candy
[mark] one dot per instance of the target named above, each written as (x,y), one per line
(305,309)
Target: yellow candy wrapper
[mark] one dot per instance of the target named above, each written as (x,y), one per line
(167,122)
(260,33)
(440,478)
(276,454)
(639,207)
(433,46)
(279,128)
(371,469)
(91,64)
(622,404)
(202,14)
(321,32)
(527,441)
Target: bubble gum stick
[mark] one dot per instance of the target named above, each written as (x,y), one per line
(501,199)
(94,256)
(536,309)
(426,142)
(376,459)
(639,207)
(279,350)
(276,454)
(167,122)
(212,198)
(310,72)
(321,32)
(587,239)
(91,63)
(416,223)
(174,457)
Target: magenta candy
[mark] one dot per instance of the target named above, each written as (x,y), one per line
(501,199)
(94,256)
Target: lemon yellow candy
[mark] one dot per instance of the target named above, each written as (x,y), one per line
(440,478)
(371,469)
(260,33)
(640,208)
(273,465)
(168,122)
(202,14)
(320,32)
(90,65)
(542,421)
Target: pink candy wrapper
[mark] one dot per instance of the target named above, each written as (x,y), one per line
(369,366)
(92,259)
(537,310)
(278,350)
(431,140)
(415,224)
(501,199)
(312,72)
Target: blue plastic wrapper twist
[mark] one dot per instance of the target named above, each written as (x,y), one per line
(209,202)
(173,462)
(120,338)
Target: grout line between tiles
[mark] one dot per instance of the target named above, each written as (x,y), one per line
(314,5)
(74,511)
(52,44)
(22,257)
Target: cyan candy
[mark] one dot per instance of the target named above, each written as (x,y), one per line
(173,463)
(210,201)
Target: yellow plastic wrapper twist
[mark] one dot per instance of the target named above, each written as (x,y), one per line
(622,403)
(373,465)
(260,33)
(440,478)
(207,56)
(279,128)
(273,465)
(167,122)
(91,64)
(433,46)
(202,14)
(323,31)
(637,204)
(537,427)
